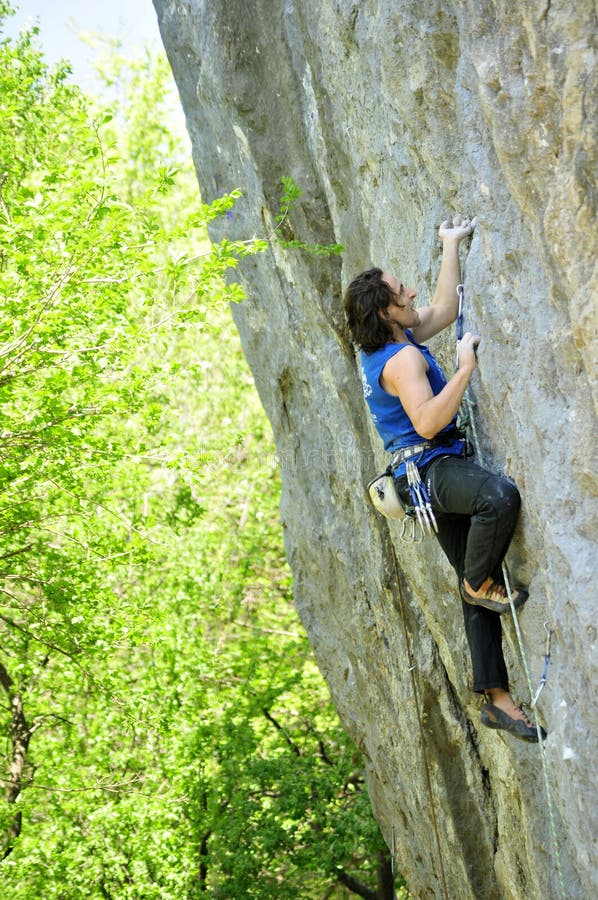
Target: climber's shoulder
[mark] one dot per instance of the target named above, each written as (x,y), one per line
(407,364)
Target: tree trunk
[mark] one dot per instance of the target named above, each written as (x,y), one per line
(20,734)
(357,887)
(386,879)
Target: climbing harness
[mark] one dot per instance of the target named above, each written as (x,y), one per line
(384,495)
(468,420)
(544,676)
(382,491)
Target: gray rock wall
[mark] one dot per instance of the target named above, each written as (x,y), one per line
(391,115)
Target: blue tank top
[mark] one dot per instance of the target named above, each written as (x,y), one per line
(392,422)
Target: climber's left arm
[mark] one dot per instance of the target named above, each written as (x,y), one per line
(444,307)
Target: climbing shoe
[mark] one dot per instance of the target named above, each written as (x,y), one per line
(493,595)
(494,717)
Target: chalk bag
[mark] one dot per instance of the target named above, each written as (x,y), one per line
(383,494)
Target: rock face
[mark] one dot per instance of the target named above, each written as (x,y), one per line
(391,115)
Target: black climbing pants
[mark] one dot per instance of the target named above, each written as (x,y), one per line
(476,511)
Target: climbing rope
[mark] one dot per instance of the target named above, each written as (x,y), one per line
(468,420)
(547,790)
(411,667)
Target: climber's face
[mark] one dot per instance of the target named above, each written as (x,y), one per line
(401,311)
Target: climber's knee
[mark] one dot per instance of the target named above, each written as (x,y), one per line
(502,495)
(510,498)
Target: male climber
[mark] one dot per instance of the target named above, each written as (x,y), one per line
(414,409)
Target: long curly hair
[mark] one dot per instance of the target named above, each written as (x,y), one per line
(364,299)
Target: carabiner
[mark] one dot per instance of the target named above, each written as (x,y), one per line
(428,504)
(461,296)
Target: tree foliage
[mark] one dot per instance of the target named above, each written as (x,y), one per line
(167,734)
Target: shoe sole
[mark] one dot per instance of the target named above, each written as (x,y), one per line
(495,605)
(529,736)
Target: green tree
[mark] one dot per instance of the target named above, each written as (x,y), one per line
(80,395)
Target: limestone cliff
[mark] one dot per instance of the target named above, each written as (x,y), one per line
(391,115)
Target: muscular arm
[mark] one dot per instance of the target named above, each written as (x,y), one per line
(444,307)
(405,376)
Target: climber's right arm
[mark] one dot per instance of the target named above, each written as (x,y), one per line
(405,376)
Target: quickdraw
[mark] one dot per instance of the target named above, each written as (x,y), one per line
(544,676)
(461,295)
(420,499)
